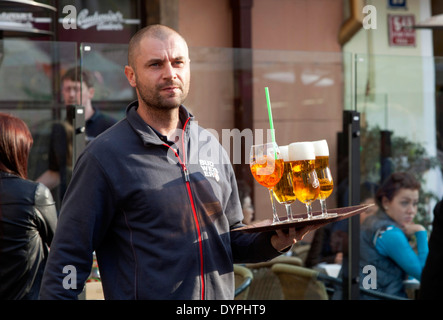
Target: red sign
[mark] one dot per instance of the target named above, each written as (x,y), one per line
(401,31)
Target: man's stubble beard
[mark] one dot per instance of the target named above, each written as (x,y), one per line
(155,101)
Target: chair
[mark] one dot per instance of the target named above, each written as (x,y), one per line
(243,277)
(299,283)
(301,251)
(266,285)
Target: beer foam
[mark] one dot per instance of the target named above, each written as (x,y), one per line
(321,148)
(301,151)
(284,152)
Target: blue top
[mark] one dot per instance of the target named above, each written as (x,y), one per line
(385,246)
(394,244)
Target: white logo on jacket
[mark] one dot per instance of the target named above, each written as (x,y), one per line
(209,169)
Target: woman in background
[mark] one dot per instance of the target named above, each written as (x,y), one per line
(27,215)
(385,236)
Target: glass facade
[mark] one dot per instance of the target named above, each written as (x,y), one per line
(309,91)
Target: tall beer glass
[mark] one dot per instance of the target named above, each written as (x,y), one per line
(304,177)
(324,174)
(284,190)
(267,168)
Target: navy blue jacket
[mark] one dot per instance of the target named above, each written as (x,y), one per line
(159,217)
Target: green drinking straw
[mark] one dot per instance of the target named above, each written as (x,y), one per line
(271,123)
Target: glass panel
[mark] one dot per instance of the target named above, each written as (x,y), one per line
(306,93)
(30,89)
(396,97)
(397,101)
(106,63)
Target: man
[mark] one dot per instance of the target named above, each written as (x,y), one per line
(139,196)
(74,92)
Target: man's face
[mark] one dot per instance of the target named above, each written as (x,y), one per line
(161,73)
(73,93)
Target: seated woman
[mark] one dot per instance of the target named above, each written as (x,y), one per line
(385,236)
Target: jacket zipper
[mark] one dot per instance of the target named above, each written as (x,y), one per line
(194,211)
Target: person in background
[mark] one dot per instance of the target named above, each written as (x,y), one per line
(155,196)
(27,215)
(385,235)
(77,89)
(81,93)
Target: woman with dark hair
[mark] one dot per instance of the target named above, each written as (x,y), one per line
(385,236)
(27,215)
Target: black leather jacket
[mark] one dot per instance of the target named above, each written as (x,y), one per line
(28,219)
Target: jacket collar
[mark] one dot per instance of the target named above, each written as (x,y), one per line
(146,132)
(4,174)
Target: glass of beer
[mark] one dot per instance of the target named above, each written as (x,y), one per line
(284,190)
(324,174)
(267,168)
(304,177)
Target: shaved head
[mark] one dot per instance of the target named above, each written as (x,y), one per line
(156,31)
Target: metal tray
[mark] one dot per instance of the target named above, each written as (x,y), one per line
(342,213)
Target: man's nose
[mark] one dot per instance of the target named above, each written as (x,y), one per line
(169,71)
(72,92)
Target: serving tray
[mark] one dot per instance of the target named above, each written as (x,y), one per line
(342,213)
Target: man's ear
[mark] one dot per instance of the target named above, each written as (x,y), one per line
(91,92)
(130,75)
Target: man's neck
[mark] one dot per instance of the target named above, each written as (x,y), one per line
(166,122)
(89,112)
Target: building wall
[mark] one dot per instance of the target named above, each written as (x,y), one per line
(302,25)
(206,23)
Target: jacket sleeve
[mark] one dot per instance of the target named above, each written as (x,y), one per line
(46,213)
(81,224)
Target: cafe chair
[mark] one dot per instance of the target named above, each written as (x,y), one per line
(266,285)
(334,285)
(299,283)
(301,250)
(243,278)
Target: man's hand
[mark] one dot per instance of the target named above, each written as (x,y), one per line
(282,240)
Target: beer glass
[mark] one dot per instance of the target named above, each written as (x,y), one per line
(304,177)
(267,168)
(324,175)
(284,190)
